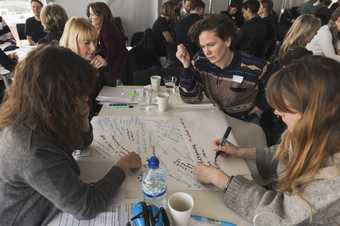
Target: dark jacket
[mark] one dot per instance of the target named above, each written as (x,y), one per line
(252,37)
(6,62)
(51,36)
(112,46)
(181,32)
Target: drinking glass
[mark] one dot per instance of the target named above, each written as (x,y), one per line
(170,83)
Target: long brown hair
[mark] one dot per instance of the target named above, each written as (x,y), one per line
(45,93)
(103,10)
(310,87)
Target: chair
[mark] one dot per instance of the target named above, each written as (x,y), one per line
(136,38)
(21,31)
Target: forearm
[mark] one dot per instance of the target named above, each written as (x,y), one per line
(30,40)
(87,135)
(261,206)
(190,90)
(55,177)
(247,153)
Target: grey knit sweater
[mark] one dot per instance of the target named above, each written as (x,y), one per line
(39,178)
(265,207)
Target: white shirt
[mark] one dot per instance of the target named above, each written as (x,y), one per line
(322,44)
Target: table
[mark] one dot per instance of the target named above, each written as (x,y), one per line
(204,133)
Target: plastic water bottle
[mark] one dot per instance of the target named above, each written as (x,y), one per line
(154,183)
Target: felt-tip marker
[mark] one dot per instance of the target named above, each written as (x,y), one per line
(121,105)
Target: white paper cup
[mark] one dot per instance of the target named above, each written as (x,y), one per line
(162,101)
(180,205)
(155,82)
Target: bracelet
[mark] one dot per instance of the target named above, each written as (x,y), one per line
(228,183)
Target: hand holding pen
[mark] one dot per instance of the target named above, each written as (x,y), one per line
(225,147)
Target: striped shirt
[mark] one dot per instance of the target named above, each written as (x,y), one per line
(234,88)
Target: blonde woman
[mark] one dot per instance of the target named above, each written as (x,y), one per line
(325,42)
(301,32)
(305,173)
(81,37)
(53,18)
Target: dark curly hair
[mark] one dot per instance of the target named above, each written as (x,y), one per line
(45,93)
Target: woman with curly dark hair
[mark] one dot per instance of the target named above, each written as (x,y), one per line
(43,119)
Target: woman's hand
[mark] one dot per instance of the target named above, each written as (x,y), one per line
(98,62)
(183,55)
(131,161)
(211,175)
(228,148)
(232,150)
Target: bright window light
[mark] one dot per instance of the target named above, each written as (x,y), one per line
(16,11)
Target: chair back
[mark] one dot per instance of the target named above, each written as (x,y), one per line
(21,31)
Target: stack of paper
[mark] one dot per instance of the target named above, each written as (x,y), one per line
(123,94)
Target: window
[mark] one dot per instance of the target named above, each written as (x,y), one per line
(16,11)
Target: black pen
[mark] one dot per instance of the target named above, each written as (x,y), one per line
(225,136)
(223,141)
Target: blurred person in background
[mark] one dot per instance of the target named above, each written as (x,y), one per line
(33,28)
(111,44)
(53,18)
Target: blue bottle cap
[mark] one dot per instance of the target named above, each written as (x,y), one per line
(153,162)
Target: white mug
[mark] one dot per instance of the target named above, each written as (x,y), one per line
(180,205)
(162,101)
(155,82)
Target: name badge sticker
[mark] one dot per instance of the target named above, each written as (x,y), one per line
(237,78)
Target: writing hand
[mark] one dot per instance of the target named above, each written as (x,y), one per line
(131,161)
(228,148)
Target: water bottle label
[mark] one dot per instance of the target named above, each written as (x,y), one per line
(153,195)
(153,188)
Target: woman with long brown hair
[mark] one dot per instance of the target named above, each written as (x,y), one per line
(111,43)
(303,171)
(43,119)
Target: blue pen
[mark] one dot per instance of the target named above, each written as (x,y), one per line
(211,221)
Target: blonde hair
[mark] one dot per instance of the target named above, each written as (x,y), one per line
(77,29)
(310,87)
(299,32)
(54,17)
